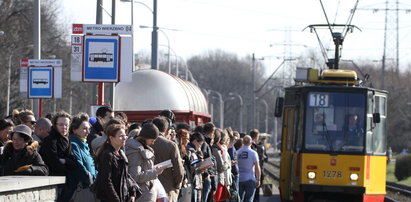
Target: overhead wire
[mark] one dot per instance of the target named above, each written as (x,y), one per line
(349,20)
(323,50)
(326,17)
(336,12)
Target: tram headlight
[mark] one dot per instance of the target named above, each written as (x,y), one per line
(311,175)
(354,176)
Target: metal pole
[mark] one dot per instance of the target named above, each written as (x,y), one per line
(221,110)
(168,59)
(186,68)
(8,85)
(266,115)
(168,48)
(397,58)
(37,47)
(154,39)
(176,65)
(253,92)
(241,109)
(385,46)
(113,21)
(71,102)
(132,35)
(100,95)
(99,20)
(221,107)
(99,13)
(9,77)
(113,12)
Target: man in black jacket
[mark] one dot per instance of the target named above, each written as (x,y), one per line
(103,115)
(210,176)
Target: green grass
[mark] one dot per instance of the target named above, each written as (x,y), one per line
(391,176)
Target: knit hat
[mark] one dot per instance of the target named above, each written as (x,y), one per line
(183,126)
(23,129)
(149,131)
(169,115)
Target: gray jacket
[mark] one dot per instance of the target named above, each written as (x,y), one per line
(141,162)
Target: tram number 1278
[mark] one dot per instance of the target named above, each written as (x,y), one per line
(332,174)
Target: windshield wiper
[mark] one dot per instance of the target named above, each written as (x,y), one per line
(327,136)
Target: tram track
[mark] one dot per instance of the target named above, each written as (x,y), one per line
(395,192)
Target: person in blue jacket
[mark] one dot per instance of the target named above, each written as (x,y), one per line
(84,172)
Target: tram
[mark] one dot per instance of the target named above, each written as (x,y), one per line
(333,138)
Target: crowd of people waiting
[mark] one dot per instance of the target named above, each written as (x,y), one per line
(115,160)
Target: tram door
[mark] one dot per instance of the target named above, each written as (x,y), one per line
(288,131)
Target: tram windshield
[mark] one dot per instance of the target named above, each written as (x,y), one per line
(335,122)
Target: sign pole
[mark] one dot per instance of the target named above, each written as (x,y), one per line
(37,48)
(40,107)
(100,93)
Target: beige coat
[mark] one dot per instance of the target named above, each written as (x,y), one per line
(171,178)
(140,167)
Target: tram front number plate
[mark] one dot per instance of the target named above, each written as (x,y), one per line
(332,174)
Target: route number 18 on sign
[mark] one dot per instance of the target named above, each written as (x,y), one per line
(317,99)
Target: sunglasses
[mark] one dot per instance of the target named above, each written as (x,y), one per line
(32,122)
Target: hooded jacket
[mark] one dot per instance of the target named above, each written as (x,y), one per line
(22,162)
(141,168)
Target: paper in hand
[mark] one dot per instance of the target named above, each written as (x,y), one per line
(164,164)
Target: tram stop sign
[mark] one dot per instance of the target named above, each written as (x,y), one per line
(101,53)
(101,58)
(41,78)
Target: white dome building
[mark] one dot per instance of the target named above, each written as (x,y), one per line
(152,91)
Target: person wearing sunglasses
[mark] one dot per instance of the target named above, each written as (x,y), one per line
(26,117)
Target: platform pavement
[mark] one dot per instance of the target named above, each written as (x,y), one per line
(273,198)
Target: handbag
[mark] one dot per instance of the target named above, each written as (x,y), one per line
(225,194)
(186,193)
(82,194)
(222,193)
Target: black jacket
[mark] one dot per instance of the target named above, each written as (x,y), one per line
(12,159)
(53,148)
(113,180)
(207,152)
(96,131)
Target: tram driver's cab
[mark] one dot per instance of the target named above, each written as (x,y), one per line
(333,133)
(335,121)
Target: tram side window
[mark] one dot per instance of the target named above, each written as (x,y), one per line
(378,138)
